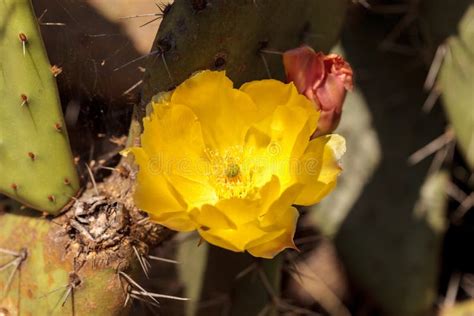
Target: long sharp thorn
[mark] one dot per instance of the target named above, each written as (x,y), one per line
(127,298)
(146,262)
(139,298)
(73,307)
(268,287)
(149,294)
(140,260)
(435,145)
(265,310)
(271,52)
(9,252)
(151,21)
(166,66)
(363,3)
(163,259)
(246,271)
(17,264)
(133,87)
(133,283)
(137,59)
(267,69)
(452,292)
(53,291)
(40,18)
(138,16)
(64,297)
(430,101)
(91,175)
(8,264)
(435,67)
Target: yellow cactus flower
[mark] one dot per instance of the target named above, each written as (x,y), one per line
(231,163)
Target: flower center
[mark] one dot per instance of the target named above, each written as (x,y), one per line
(232,171)
(230,174)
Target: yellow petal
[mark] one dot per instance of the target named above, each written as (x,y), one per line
(269,94)
(162,99)
(174,220)
(265,237)
(241,211)
(194,193)
(271,248)
(288,118)
(289,133)
(319,168)
(256,139)
(154,194)
(280,224)
(225,113)
(276,213)
(209,217)
(223,238)
(267,247)
(173,140)
(233,239)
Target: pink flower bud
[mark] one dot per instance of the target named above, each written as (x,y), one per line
(324,79)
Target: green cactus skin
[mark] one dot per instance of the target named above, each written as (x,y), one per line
(36,164)
(455,36)
(46,269)
(196,35)
(456,84)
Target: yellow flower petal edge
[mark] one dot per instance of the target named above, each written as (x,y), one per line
(231,163)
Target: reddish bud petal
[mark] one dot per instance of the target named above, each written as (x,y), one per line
(323,79)
(304,67)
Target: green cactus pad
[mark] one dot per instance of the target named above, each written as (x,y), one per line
(36,164)
(39,284)
(457,85)
(243,37)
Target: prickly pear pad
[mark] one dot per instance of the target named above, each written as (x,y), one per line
(36,165)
